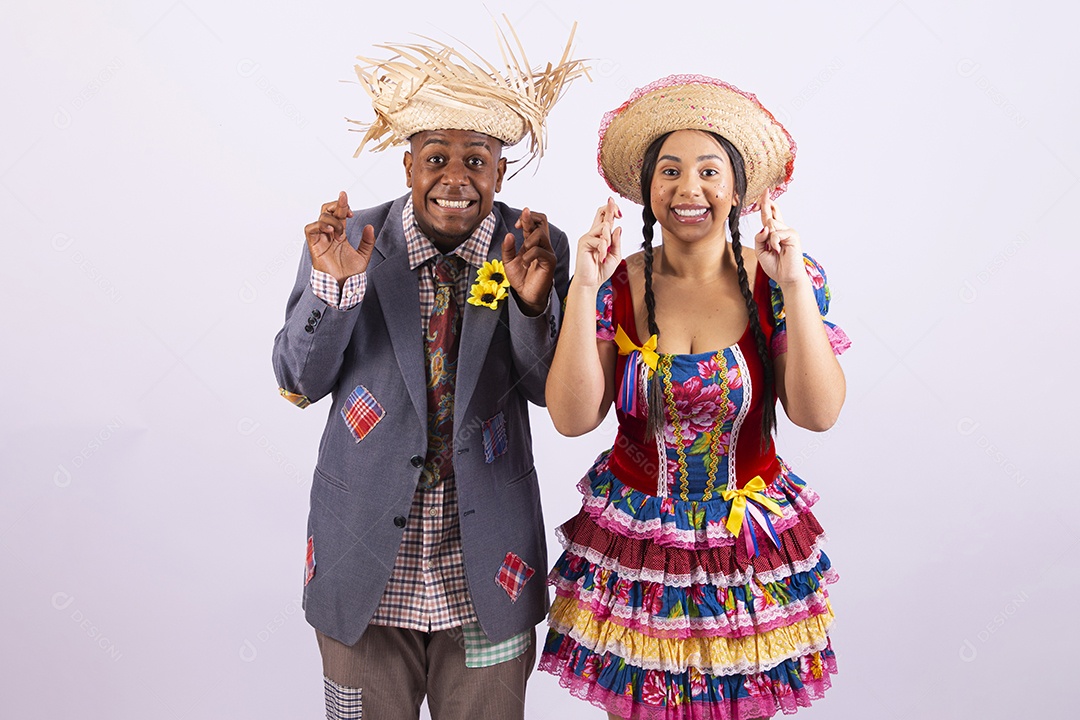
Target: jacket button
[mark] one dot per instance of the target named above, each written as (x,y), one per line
(399,521)
(316,314)
(416,461)
(309,329)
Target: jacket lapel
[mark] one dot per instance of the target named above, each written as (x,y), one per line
(399,296)
(477,326)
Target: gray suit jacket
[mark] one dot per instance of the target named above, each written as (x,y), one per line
(362,490)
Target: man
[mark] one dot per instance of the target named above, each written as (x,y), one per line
(431,320)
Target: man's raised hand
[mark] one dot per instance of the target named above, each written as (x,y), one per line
(330,250)
(532,271)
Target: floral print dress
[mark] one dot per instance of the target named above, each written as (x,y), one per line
(692,582)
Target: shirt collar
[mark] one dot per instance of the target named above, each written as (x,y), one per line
(473,251)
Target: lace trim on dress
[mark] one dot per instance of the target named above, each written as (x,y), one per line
(624,690)
(695,575)
(744,624)
(744,410)
(838,340)
(695,610)
(710,655)
(680,523)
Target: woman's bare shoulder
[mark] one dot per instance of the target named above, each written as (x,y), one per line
(750,262)
(635,266)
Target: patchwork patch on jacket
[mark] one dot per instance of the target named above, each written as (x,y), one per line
(309,562)
(494,438)
(362,412)
(512,575)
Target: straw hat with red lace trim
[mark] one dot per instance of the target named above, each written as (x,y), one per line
(695,102)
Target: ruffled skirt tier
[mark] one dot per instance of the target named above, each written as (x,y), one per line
(660,612)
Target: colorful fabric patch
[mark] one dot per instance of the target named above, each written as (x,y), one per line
(300,401)
(818,280)
(512,575)
(309,562)
(494,438)
(481,652)
(838,339)
(343,703)
(605,324)
(362,412)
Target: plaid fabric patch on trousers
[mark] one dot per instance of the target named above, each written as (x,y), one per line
(343,703)
(481,652)
(399,668)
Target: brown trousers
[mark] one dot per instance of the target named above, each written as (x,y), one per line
(396,668)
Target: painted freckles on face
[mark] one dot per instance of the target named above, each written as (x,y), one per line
(453,175)
(692,189)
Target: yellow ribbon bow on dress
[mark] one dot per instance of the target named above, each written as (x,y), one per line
(648,351)
(641,362)
(739,496)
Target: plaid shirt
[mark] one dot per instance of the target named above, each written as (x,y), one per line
(421,252)
(427,590)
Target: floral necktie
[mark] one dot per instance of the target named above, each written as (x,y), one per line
(441,352)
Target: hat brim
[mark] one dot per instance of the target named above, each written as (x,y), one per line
(436,109)
(695,102)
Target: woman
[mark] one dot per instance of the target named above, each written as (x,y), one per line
(693,583)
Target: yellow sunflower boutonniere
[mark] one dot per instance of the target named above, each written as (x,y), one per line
(490,286)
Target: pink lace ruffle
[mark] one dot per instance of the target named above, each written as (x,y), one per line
(838,339)
(736,623)
(602,501)
(696,575)
(610,644)
(768,697)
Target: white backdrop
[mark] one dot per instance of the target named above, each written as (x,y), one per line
(159,159)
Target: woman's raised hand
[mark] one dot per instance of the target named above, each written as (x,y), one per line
(779,249)
(599,251)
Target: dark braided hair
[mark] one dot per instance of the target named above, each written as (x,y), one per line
(648,167)
(656,392)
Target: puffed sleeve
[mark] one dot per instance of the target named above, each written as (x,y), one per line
(605,325)
(837,337)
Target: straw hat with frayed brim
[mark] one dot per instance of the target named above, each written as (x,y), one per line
(437,87)
(695,102)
